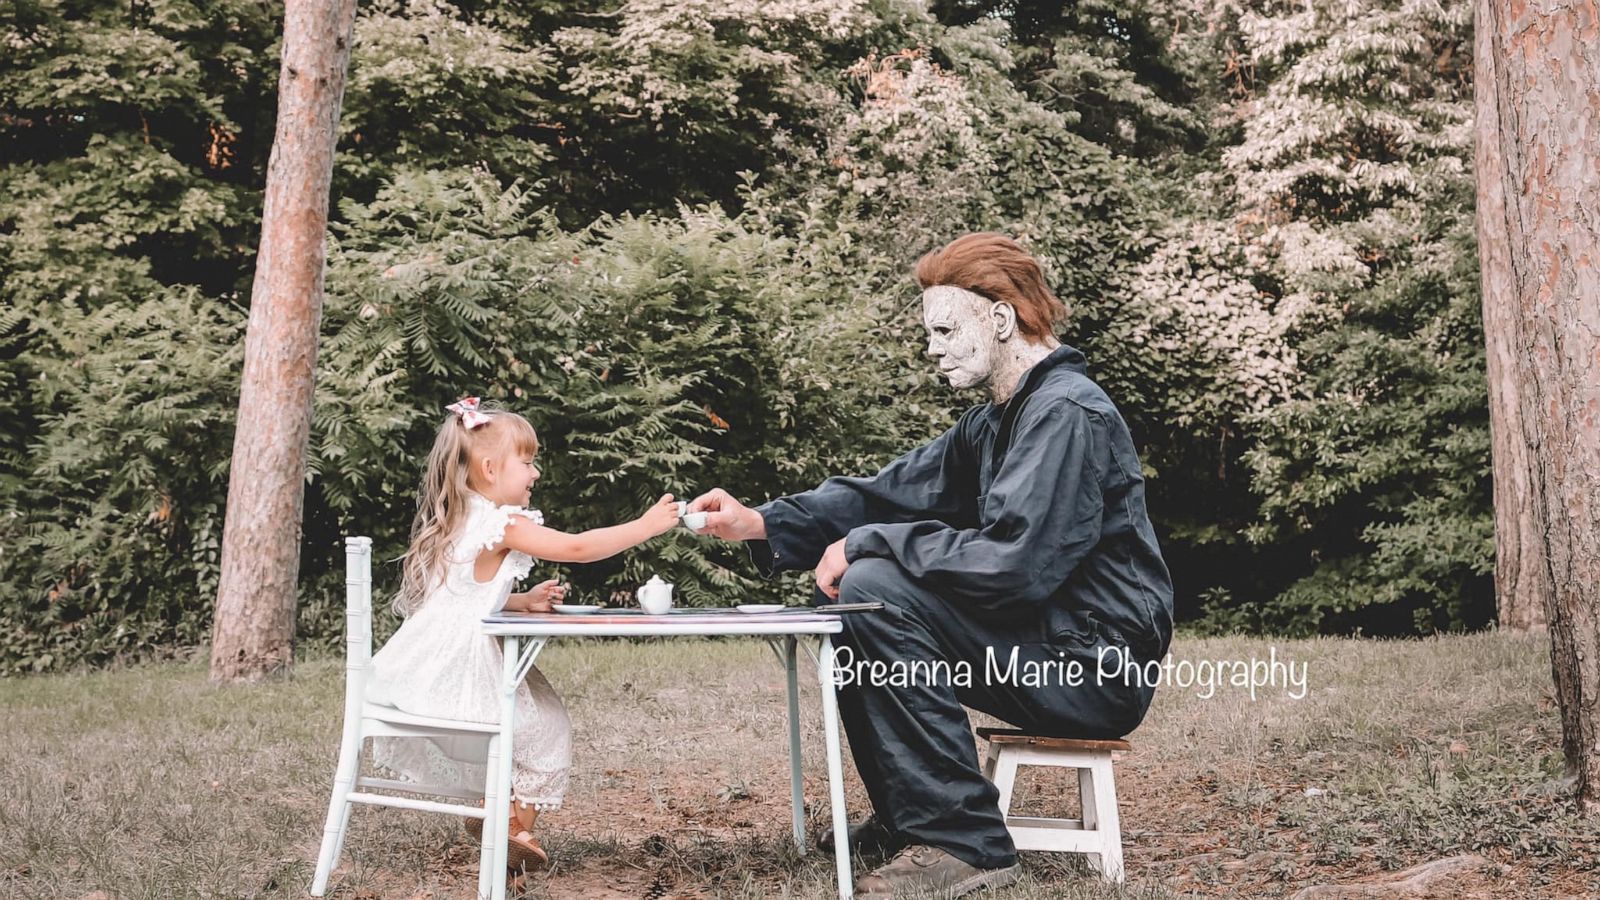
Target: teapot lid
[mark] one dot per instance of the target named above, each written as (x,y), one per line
(655,579)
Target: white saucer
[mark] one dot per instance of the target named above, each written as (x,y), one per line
(574,609)
(760,607)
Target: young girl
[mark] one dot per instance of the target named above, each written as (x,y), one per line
(473,538)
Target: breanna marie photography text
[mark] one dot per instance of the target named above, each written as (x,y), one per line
(1254,675)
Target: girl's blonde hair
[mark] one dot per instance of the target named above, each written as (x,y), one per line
(445,494)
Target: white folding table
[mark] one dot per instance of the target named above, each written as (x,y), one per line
(782,631)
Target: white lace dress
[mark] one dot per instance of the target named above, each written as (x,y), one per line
(440,663)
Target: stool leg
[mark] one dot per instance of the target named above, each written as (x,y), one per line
(1005,779)
(1108,862)
(1086,798)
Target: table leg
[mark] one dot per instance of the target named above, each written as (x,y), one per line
(797,796)
(495,827)
(830,730)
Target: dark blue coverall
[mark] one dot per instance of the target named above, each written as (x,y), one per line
(1023,526)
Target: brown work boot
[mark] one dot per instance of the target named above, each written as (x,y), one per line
(923,871)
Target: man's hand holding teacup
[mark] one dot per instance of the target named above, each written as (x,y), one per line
(731,520)
(727,518)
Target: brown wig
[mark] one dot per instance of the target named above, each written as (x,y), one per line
(996,267)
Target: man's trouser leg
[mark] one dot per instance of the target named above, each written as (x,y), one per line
(912,741)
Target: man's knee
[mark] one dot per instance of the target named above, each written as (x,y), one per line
(874,579)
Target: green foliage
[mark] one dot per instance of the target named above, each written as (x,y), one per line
(662,102)
(621,343)
(111,544)
(128,199)
(1348,202)
(1113,70)
(678,237)
(1387,462)
(427,85)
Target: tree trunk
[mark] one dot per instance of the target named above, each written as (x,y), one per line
(254,631)
(1538,100)
(1521,585)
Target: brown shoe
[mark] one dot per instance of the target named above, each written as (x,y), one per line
(923,871)
(523,850)
(524,853)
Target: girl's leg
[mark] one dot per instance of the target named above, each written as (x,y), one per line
(544,749)
(522,819)
(523,816)
(524,850)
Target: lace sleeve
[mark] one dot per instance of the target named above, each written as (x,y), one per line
(487,528)
(518,563)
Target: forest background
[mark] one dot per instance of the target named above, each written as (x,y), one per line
(677,235)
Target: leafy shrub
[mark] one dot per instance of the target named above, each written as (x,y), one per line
(111,544)
(677,236)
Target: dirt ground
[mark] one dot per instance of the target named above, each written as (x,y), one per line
(152,783)
(694,820)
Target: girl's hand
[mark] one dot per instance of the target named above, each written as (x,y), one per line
(540,599)
(661,518)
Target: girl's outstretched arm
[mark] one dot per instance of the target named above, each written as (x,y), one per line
(596,543)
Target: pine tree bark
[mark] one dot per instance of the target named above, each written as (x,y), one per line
(1538,102)
(253,635)
(1521,586)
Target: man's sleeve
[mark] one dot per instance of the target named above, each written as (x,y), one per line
(930,482)
(1043,509)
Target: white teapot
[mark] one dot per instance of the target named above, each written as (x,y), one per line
(655,597)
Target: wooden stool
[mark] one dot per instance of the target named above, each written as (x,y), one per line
(1099,832)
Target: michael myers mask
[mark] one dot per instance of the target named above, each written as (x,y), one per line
(965,331)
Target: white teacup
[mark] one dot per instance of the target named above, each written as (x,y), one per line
(695,521)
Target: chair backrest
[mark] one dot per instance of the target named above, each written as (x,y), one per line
(357,618)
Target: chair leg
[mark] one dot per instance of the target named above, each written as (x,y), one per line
(491,792)
(1005,778)
(1109,861)
(344,780)
(344,831)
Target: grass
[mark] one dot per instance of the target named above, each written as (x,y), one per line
(151,783)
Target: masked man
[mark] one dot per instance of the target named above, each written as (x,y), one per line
(1016,542)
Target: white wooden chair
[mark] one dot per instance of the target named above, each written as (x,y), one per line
(364,720)
(1099,832)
